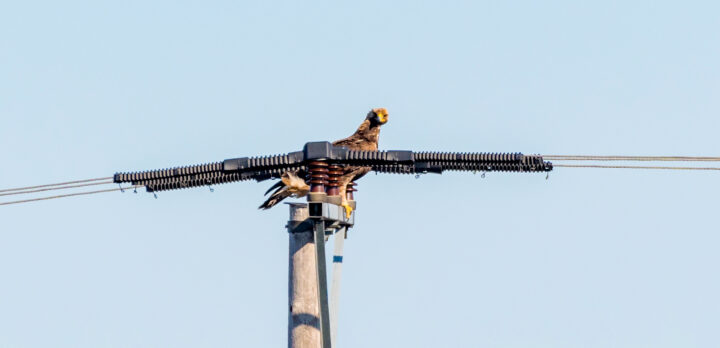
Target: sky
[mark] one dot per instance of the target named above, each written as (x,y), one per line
(587,258)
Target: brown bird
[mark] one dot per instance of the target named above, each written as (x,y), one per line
(365,138)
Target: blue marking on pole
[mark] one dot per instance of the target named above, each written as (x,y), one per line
(337,258)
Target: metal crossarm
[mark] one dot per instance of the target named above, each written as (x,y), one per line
(391,162)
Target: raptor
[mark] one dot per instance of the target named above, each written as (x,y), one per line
(365,138)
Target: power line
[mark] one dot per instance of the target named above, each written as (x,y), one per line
(56,188)
(632,167)
(109,180)
(58,184)
(70,195)
(631,158)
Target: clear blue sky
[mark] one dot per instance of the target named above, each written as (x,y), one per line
(588,258)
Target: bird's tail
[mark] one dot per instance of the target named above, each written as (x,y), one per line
(280,193)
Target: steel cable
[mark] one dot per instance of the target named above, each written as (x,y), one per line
(70,195)
(631,158)
(58,184)
(56,188)
(632,167)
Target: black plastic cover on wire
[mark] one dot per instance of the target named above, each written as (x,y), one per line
(394,162)
(150,175)
(528,164)
(204,179)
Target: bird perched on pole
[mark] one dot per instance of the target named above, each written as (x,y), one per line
(365,138)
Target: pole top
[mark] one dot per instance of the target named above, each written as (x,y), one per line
(298,211)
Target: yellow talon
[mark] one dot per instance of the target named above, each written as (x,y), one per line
(348,210)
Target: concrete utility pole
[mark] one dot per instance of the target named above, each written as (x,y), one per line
(304,312)
(309,318)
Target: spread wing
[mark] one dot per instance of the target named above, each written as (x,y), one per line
(291,183)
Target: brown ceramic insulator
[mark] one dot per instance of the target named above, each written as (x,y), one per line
(318,176)
(334,173)
(349,191)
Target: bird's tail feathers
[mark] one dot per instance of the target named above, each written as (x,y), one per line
(278,184)
(277,196)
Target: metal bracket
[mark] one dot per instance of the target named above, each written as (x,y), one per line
(319,238)
(337,259)
(331,213)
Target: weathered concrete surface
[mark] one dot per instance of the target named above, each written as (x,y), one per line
(304,312)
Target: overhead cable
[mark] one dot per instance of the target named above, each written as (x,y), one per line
(56,188)
(70,195)
(58,184)
(631,158)
(632,167)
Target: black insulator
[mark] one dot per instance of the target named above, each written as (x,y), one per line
(395,162)
(166,173)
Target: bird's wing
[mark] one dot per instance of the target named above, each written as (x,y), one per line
(364,138)
(291,182)
(281,193)
(352,142)
(354,173)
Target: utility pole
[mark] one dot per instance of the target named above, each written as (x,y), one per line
(304,312)
(311,318)
(309,324)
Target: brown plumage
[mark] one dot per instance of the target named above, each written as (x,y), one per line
(290,185)
(365,138)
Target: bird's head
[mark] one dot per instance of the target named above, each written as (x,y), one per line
(378,116)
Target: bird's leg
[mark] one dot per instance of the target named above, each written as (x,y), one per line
(345,204)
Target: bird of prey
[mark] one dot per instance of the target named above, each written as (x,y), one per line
(365,138)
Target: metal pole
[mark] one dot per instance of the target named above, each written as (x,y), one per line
(322,282)
(304,311)
(340,236)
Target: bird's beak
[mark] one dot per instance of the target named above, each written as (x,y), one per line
(383,118)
